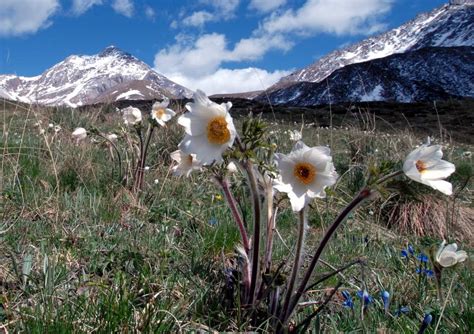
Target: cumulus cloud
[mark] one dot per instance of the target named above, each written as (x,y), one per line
(207,53)
(79,7)
(26,16)
(198,19)
(266,6)
(198,63)
(330,16)
(124,7)
(150,13)
(230,80)
(223,7)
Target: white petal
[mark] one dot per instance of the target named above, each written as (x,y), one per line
(443,186)
(193,125)
(439,169)
(447,259)
(205,152)
(297,202)
(451,247)
(461,256)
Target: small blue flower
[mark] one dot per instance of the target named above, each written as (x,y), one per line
(404,253)
(429,273)
(347,300)
(386,299)
(213,222)
(402,310)
(422,257)
(411,250)
(426,322)
(427,319)
(364,295)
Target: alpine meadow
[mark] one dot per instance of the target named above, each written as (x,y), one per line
(192,197)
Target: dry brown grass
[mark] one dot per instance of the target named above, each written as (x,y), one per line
(432,216)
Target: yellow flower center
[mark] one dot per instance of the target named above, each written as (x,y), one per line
(159,113)
(217,132)
(420,166)
(304,172)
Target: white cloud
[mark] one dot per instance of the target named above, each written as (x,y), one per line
(230,80)
(223,7)
(79,7)
(330,16)
(198,63)
(26,16)
(124,7)
(266,6)
(206,54)
(198,19)
(150,13)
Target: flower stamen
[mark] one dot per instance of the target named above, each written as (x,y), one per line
(304,172)
(159,113)
(217,131)
(420,166)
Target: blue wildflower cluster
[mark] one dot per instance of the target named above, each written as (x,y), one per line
(423,260)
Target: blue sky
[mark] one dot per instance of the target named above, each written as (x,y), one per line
(216,45)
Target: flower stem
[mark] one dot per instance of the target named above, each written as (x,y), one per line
(365,193)
(271,220)
(235,212)
(296,264)
(256,228)
(389,176)
(145,152)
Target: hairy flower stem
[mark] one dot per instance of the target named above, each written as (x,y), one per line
(296,263)
(144,155)
(389,176)
(139,162)
(248,166)
(271,222)
(235,212)
(119,157)
(365,193)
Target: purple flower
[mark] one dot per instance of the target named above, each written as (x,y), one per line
(386,300)
(422,257)
(365,297)
(402,310)
(411,250)
(347,300)
(426,322)
(404,253)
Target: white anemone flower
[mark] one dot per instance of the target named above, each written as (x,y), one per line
(186,163)
(209,129)
(305,173)
(131,115)
(79,134)
(232,167)
(112,137)
(425,165)
(295,135)
(448,255)
(160,113)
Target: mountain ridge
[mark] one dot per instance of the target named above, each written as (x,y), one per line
(82,79)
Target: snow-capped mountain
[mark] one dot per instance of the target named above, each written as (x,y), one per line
(451,25)
(427,74)
(80,80)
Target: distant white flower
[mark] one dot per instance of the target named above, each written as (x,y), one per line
(79,134)
(186,163)
(131,115)
(209,129)
(57,128)
(448,255)
(50,125)
(232,167)
(156,181)
(42,131)
(295,135)
(305,173)
(160,113)
(147,168)
(112,137)
(467,154)
(425,165)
